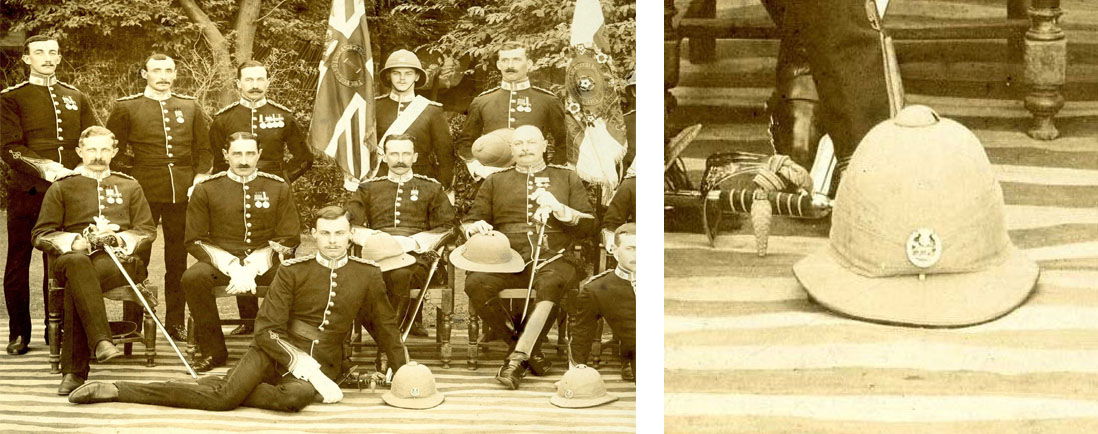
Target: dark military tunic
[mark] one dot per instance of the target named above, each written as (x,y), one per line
(433,142)
(610,296)
(504,202)
(407,208)
(241,217)
(623,206)
(277,131)
(169,140)
(512,106)
(40,121)
(72,203)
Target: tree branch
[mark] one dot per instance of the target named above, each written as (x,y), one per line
(246,24)
(218,45)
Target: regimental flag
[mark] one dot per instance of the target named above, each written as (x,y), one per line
(343,114)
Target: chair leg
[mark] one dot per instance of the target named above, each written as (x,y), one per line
(444,321)
(596,347)
(149,329)
(192,339)
(474,336)
(53,324)
(562,333)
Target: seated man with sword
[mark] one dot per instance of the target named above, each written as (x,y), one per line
(542,209)
(297,356)
(88,220)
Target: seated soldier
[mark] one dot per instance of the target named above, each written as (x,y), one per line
(298,348)
(622,209)
(518,202)
(412,208)
(236,221)
(83,214)
(611,295)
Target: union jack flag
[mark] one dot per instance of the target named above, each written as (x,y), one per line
(343,112)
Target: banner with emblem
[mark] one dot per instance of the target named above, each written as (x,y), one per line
(343,113)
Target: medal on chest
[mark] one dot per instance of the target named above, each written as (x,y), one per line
(414,196)
(272,121)
(113,195)
(262,200)
(541,182)
(69,102)
(178,116)
(523,104)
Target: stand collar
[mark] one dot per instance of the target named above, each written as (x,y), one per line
(399,179)
(402,99)
(42,80)
(515,85)
(83,170)
(154,95)
(625,275)
(532,169)
(253,104)
(331,264)
(241,179)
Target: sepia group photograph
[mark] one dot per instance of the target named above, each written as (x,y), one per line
(880,216)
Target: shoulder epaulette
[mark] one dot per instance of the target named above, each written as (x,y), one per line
(381,96)
(629,112)
(279,106)
(630,175)
(67,85)
(129,97)
(70,175)
(115,172)
(592,278)
(224,109)
(434,103)
(376,178)
(15,86)
(489,91)
(182,96)
(560,166)
(270,175)
(425,177)
(215,176)
(299,260)
(543,90)
(362,260)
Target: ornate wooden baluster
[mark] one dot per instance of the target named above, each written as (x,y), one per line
(1046,64)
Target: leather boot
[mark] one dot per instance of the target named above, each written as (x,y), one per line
(90,393)
(627,371)
(537,362)
(512,371)
(496,320)
(70,382)
(794,106)
(106,350)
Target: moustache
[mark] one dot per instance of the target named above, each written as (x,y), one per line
(243,166)
(400,166)
(510,70)
(99,162)
(254,90)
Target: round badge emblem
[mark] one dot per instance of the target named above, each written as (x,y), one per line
(568,393)
(349,65)
(924,248)
(414,392)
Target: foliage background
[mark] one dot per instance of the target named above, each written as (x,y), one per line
(103,43)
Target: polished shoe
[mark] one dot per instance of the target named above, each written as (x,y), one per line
(69,383)
(177,332)
(18,346)
(418,330)
(105,350)
(539,365)
(91,393)
(243,329)
(627,373)
(206,363)
(511,374)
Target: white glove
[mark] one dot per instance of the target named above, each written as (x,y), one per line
(477,227)
(608,241)
(241,280)
(541,215)
(546,199)
(304,367)
(54,171)
(350,183)
(327,388)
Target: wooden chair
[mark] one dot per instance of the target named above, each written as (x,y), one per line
(516,297)
(219,292)
(55,313)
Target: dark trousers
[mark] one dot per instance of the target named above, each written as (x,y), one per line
(253,382)
(399,282)
(172,218)
(846,60)
(85,322)
(23,209)
(198,283)
(551,282)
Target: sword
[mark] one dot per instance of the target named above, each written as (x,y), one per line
(145,303)
(533,271)
(422,296)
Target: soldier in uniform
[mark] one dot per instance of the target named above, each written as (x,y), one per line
(298,348)
(40,120)
(516,202)
(611,295)
(237,221)
(169,138)
(409,206)
(82,214)
(622,209)
(271,123)
(401,111)
(515,102)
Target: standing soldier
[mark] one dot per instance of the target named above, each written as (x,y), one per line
(298,349)
(271,123)
(512,104)
(409,206)
(611,295)
(40,121)
(169,138)
(82,215)
(516,202)
(404,112)
(236,221)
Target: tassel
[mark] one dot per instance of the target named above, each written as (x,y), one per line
(761,216)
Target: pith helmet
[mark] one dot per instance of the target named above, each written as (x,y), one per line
(918,233)
(494,149)
(404,59)
(413,387)
(488,252)
(382,248)
(581,387)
